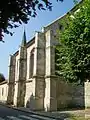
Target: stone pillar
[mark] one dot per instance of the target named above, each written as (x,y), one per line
(39,71)
(50,102)
(87,94)
(21,83)
(11,80)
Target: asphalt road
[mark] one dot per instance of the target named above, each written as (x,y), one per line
(11,114)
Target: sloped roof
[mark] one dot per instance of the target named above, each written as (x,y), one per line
(4,82)
(61,17)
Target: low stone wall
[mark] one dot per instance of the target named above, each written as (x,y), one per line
(69,95)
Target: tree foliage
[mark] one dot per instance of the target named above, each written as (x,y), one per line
(2,78)
(19,11)
(73,53)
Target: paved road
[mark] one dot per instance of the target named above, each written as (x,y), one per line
(11,114)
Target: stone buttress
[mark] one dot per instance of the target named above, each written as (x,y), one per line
(11,79)
(39,71)
(20,86)
(50,101)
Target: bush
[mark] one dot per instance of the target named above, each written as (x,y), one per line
(2,78)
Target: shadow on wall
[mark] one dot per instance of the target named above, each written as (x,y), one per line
(70,95)
(31,102)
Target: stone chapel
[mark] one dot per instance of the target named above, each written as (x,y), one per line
(32,81)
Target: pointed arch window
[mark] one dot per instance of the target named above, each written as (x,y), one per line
(31,63)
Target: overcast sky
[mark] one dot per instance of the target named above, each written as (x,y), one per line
(43,18)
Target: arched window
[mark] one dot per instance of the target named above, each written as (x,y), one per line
(31,63)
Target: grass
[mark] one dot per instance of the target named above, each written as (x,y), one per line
(79,118)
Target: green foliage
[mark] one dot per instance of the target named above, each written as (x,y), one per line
(73,56)
(2,78)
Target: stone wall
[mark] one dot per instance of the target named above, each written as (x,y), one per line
(29,93)
(69,95)
(87,94)
(3,92)
(29,49)
(39,71)
(16,80)
(11,79)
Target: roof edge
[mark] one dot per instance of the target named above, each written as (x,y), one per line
(72,9)
(4,82)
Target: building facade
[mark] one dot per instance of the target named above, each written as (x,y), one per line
(32,81)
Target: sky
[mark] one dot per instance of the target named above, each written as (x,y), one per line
(43,18)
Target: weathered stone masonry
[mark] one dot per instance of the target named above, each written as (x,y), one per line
(11,81)
(32,81)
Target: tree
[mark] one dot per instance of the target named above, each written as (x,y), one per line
(2,78)
(15,12)
(73,53)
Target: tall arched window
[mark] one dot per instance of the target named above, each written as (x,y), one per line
(31,63)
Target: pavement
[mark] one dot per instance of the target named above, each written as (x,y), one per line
(7,113)
(58,115)
(50,115)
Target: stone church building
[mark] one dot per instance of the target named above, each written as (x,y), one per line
(32,81)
